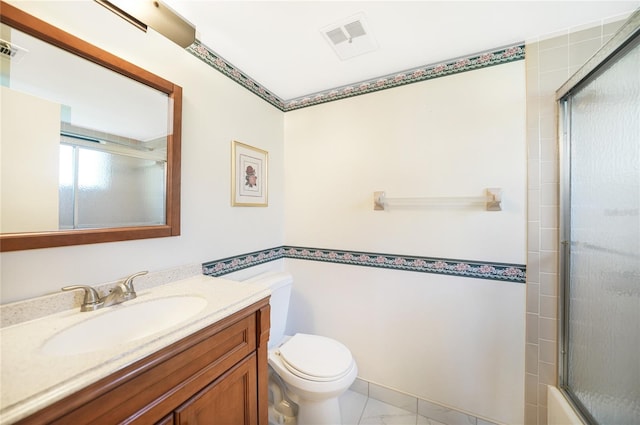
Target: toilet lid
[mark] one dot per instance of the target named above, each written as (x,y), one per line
(316,358)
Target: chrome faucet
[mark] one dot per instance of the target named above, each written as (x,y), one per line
(122,292)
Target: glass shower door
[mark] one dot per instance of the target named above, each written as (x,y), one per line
(601,238)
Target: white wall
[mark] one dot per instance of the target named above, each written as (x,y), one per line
(215,111)
(452,136)
(35,145)
(455,341)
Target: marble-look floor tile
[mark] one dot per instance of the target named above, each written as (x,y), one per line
(444,415)
(358,409)
(379,413)
(352,405)
(423,420)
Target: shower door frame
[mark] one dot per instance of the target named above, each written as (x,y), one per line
(627,36)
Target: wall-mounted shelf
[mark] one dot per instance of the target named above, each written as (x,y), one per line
(491,201)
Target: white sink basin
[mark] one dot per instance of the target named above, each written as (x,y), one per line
(123,323)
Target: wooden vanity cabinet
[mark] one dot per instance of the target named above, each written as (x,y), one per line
(211,405)
(216,376)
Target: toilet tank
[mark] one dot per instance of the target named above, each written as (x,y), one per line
(280,285)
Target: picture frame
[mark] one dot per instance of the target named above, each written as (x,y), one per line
(249,176)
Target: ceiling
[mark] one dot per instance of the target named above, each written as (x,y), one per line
(280,45)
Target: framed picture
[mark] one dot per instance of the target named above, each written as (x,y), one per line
(248,176)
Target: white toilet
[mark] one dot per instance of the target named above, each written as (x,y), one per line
(315,370)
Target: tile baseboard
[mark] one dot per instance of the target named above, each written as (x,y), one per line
(411,403)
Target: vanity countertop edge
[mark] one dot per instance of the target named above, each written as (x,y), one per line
(31,380)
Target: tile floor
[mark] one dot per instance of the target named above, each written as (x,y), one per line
(358,409)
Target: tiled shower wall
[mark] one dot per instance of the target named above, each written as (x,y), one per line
(550,61)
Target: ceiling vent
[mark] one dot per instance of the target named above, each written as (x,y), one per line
(350,37)
(11,52)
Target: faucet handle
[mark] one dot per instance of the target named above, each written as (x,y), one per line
(128,284)
(91,300)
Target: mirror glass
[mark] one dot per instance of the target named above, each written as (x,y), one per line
(96,143)
(88,142)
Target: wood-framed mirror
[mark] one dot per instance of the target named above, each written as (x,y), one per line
(56,206)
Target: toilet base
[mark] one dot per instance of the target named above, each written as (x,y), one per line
(322,412)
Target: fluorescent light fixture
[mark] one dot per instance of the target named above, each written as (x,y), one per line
(156,15)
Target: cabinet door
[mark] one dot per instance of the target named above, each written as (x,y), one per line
(231,399)
(166,421)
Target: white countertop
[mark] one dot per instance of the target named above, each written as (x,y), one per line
(31,379)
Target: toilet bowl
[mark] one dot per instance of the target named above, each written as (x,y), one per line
(315,369)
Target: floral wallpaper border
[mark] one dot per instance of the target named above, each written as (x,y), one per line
(463,268)
(454,66)
(224,266)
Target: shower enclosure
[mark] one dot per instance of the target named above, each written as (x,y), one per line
(600,233)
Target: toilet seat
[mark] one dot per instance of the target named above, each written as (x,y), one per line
(315,358)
